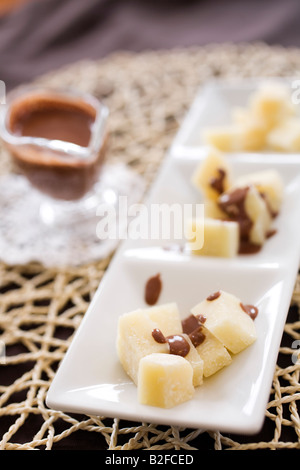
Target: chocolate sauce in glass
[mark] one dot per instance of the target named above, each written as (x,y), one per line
(52,117)
(54,120)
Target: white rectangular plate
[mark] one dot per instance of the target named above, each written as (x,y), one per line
(91,380)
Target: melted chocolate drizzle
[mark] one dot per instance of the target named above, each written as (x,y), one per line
(153,289)
(192,326)
(217,183)
(177,343)
(251,310)
(233,204)
(213,296)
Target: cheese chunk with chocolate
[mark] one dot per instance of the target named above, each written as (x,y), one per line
(248,208)
(213,353)
(269,184)
(227,320)
(220,238)
(134,336)
(165,380)
(213,175)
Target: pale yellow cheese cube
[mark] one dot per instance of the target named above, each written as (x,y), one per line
(166,317)
(215,356)
(254,129)
(134,335)
(285,137)
(268,183)
(253,136)
(226,138)
(213,175)
(248,135)
(227,321)
(213,211)
(165,380)
(258,212)
(221,238)
(271,102)
(196,362)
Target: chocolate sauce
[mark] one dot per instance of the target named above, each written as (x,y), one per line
(53,117)
(271,233)
(197,336)
(251,310)
(53,120)
(233,204)
(177,343)
(192,326)
(158,336)
(214,296)
(248,248)
(153,289)
(217,183)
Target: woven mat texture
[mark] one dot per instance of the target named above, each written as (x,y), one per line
(40,309)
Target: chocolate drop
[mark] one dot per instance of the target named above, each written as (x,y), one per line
(153,289)
(217,183)
(214,296)
(178,345)
(197,336)
(158,336)
(251,310)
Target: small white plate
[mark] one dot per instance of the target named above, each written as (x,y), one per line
(91,380)
(213,106)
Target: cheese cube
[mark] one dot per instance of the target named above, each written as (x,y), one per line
(164,380)
(215,356)
(271,103)
(285,137)
(247,135)
(253,137)
(166,317)
(246,206)
(134,336)
(213,211)
(268,183)
(259,214)
(196,362)
(213,175)
(226,138)
(221,238)
(227,321)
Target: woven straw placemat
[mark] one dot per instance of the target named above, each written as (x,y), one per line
(40,309)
